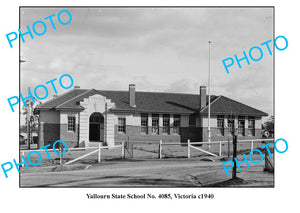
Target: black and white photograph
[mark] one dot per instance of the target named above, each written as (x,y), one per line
(140,97)
(149,106)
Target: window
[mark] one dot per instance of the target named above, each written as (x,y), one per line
(251,126)
(155,123)
(192,120)
(122,125)
(144,123)
(166,124)
(220,123)
(176,128)
(231,125)
(241,126)
(71,123)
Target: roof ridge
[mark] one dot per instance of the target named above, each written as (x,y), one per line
(218,97)
(89,90)
(49,101)
(151,92)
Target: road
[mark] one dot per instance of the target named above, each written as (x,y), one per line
(134,173)
(145,173)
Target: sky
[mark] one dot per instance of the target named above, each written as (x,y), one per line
(157,49)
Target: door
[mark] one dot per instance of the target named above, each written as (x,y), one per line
(96,132)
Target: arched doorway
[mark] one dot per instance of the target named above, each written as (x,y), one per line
(96,132)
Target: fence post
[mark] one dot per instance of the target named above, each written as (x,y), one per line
(189,148)
(61,156)
(123,150)
(99,153)
(160,150)
(251,145)
(220,150)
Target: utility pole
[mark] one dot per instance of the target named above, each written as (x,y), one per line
(209,132)
(234,155)
(234,149)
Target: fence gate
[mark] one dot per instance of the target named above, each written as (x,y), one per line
(190,145)
(269,162)
(128,149)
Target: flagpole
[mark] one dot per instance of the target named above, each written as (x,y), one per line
(209,132)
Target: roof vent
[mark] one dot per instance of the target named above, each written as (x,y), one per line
(76,87)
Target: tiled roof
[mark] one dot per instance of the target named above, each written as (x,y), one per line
(151,102)
(53,103)
(226,106)
(155,101)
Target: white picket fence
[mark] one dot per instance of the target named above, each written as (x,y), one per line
(96,149)
(191,145)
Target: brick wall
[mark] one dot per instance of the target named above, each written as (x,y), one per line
(71,138)
(215,136)
(192,133)
(49,133)
(134,134)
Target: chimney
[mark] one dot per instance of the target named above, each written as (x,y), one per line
(132,95)
(202,97)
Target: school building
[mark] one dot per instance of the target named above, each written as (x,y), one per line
(85,117)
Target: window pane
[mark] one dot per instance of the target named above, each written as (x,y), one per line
(251,126)
(176,127)
(155,123)
(176,120)
(122,125)
(220,124)
(71,123)
(166,124)
(241,127)
(144,123)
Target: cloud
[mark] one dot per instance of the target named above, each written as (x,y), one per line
(157,49)
(182,86)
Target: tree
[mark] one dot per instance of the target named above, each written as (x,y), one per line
(269,124)
(31,120)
